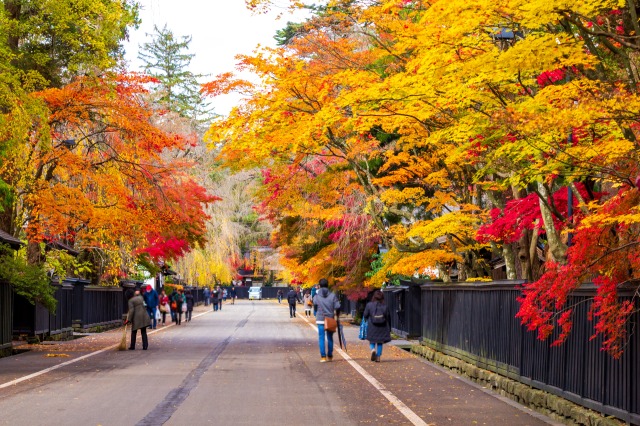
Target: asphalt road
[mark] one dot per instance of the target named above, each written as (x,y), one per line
(249,364)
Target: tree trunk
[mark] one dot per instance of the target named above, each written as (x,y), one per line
(508,254)
(557,248)
(443,273)
(34,255)
(509,261)
(524,258)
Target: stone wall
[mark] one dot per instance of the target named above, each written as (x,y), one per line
(543,402)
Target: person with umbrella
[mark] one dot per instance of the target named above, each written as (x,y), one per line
(379,324)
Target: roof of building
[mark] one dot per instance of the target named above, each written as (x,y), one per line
(9,239)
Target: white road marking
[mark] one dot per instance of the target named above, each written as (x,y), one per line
(80,358)
(400,406)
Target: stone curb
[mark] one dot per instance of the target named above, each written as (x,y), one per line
(543,402)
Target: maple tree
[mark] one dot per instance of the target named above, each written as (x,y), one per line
(460,127)
(306,107)
(110,192)
(85,159)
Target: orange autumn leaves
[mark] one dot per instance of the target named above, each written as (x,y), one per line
(97,173)
(436,118)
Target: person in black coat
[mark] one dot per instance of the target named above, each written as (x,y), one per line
(214,299)
(139,319)
(190,302)
(233,295)
(378,318)
(292,298)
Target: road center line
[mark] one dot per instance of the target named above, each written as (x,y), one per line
(80,358)
(400,406)
(162,412)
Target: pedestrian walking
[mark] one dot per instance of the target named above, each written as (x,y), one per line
(326,304)
(220,296)
(314,291)
(378,318)
(178,299)
(214,299)
(224,294)
(308,304)
(173,305)
(139,319)
(152,301)
(207,296)
(190,302)
(279,296)
(233,295)
(163,304)
(292,298)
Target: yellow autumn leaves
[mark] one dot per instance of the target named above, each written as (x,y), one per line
(436,112)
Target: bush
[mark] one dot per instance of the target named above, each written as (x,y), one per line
(30,281)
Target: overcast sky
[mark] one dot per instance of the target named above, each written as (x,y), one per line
(220,30)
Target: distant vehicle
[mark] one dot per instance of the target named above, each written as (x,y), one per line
(255,293)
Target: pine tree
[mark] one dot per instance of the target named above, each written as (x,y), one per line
(166,58)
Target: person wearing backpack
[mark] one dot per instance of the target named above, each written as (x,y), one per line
(177,300)
(328,306)
(379,324)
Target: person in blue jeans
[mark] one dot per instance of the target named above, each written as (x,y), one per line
(207,296)
(220,297)
(327,305)
(314,290)
(151,299)
(378,318)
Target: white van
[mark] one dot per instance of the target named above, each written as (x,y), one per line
(255,293)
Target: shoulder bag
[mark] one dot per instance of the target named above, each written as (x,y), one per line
(330,324)
(363,329)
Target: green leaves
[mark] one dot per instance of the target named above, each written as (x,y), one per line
(60,39)
(30,281)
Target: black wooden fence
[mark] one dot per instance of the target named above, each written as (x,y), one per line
(6,318)
(242,292)
(95,306)
(477,323)
(348,306)
(198,295)
(31,320)
(405,306)
(61,321)
(272,292)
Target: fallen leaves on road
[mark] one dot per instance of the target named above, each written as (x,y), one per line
(57,355)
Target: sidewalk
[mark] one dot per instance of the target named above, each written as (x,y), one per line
(37,357)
